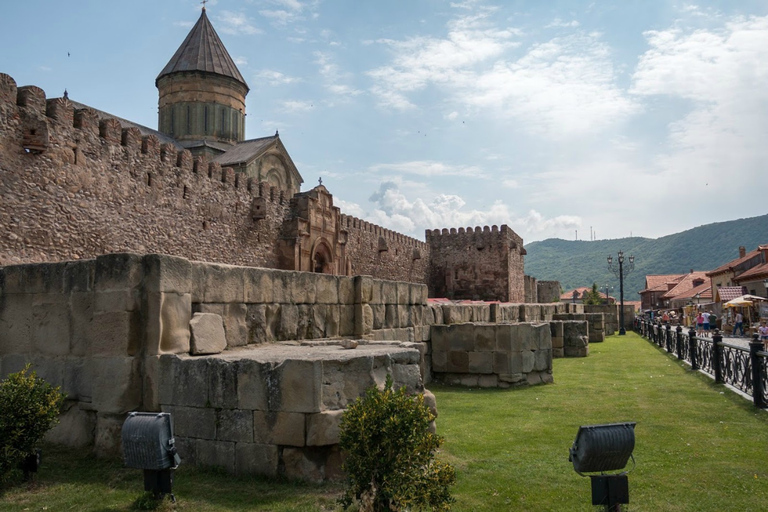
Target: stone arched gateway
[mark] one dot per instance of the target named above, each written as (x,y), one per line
(322,259)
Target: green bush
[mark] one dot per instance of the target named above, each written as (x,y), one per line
(29,407)
(390,454)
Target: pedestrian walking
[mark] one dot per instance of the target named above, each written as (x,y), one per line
(700,324)
(739,324)
(763,332)
(705,314)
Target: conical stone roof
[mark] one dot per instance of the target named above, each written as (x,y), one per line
(202,50)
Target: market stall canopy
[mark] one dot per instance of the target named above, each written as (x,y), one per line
(744,300)
(752,297)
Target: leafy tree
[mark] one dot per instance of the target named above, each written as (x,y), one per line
(29,407)
(593,296)
(390,450)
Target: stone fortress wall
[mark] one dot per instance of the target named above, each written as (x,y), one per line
(396,255)
(477,264)
(547,291)
(118,333)
(114,324)
(77,187)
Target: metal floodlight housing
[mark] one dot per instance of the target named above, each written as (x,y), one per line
(600,448)
(148,444)
(148,441)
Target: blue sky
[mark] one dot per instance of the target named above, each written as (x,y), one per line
(617,118)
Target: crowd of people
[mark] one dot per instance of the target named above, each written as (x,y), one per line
(706,321)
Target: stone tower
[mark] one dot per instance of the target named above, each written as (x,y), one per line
(202,94)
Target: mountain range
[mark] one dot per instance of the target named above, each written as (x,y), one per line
(578,263)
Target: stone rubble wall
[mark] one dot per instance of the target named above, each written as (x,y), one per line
(570,338)
(275,410)
(548,291)
(380,252)
(102,328)
(531,290)
(481,263)
(611,314)
(492,355)
(74,186)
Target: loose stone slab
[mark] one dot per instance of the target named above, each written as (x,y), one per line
(207,334)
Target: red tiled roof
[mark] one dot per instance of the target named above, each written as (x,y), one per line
(704,291)
(753,274)
(733,263)
(686,284)
(661,283)
(726,293)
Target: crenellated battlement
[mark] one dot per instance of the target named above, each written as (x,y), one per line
(61,114)
(459,255)
(124,187)
(473,235)
(349,222)
(119,188)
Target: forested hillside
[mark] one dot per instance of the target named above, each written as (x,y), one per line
(581,263)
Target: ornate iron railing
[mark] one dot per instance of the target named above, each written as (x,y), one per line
(736,368)
(742,368)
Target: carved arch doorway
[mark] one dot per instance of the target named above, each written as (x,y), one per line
(322,258)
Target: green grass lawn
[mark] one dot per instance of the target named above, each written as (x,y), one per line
(698,447)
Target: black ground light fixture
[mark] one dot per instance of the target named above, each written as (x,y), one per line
(601,448)
(148,444)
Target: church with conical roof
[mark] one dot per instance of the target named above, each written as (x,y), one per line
(202,107)
(197,187)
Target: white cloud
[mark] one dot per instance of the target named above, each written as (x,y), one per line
(275,77)
(333,76)
(394,210)
(236,23)
(288,11)
(563,86)
(721,73)
(241,61)
(349,208)
(297,106)
(427,168)
(558,23)
(293,5)
(511,183)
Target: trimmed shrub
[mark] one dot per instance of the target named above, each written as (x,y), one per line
(29,407)
(390,454)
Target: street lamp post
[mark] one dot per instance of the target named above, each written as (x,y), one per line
(608,289)
(619,272)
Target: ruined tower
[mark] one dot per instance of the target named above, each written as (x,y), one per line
(202,94)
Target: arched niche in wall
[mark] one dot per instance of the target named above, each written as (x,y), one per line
(322,257)
(274,172)
(275,179)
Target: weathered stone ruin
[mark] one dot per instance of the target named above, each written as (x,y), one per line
(266,310)
(261,388)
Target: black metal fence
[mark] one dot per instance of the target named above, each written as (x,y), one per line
(744,369)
